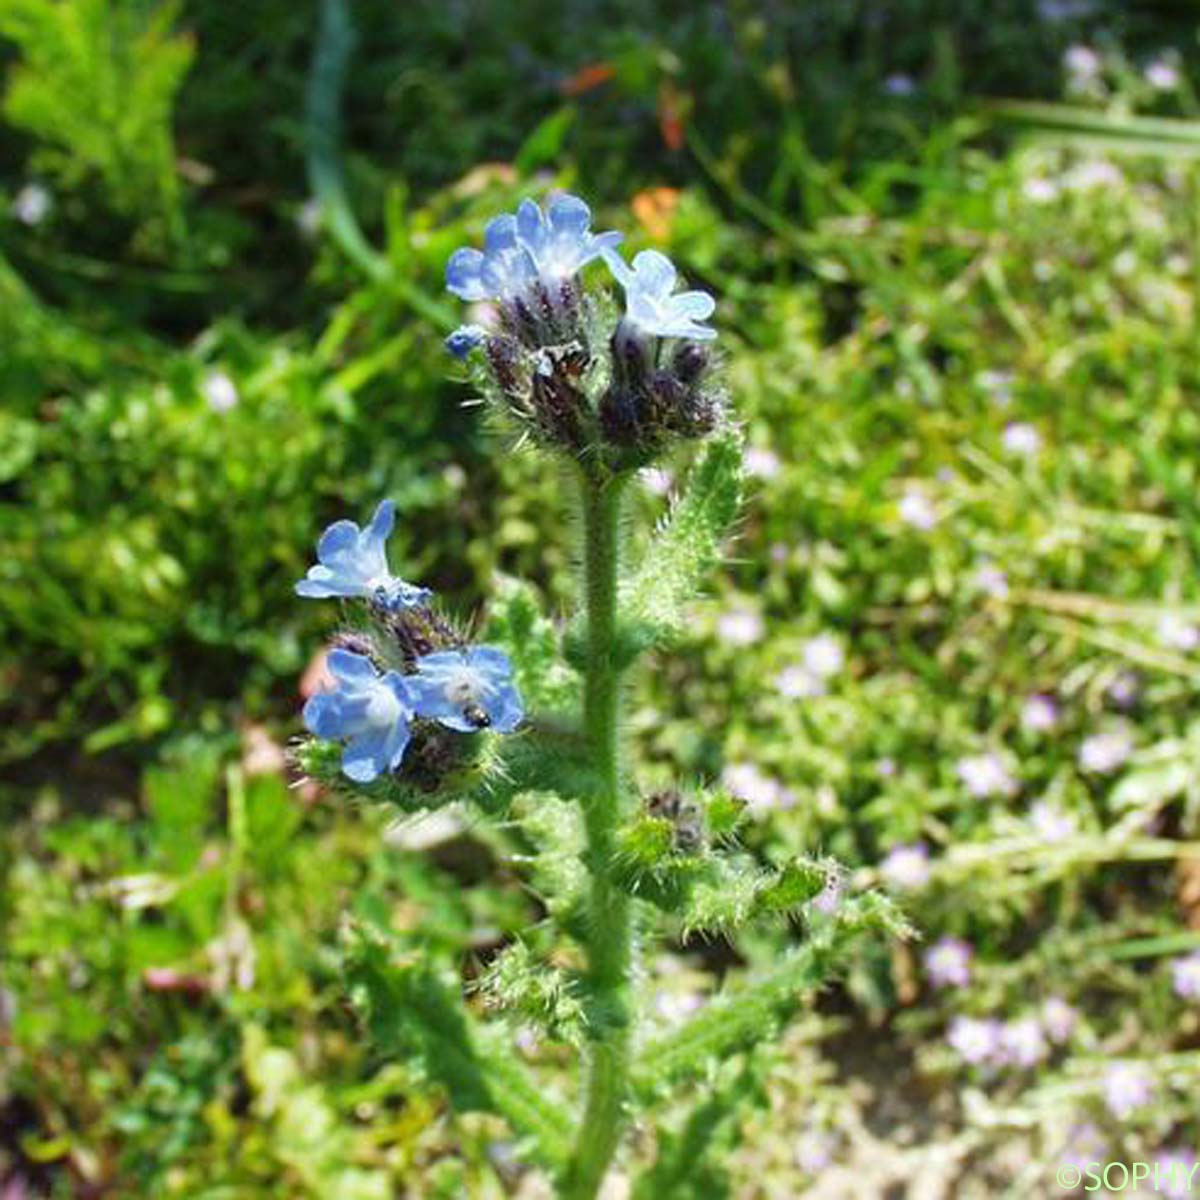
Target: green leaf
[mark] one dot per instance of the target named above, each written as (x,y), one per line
(545,143)
(685,548)
(753,1010)
(1161,137)
(411,1011)
(516,622)
(181,801)
(689,1165)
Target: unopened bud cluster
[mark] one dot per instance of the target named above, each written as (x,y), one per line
(610,390)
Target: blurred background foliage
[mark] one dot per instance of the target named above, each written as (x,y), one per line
(961,333)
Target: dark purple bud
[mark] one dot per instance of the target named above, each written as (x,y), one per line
(508,366)
(691,361)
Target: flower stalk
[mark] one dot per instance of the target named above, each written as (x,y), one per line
(609,924)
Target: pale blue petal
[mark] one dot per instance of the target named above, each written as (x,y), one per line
(439,662)
(529,225)
(430,701)
(321,584)
(365,758)
(321,716)
(569,215)
(489,660)
(380,528)
(337,539)
(397,743)
(618,266)
(350,667)
(505,709)
(463,274)
(655,273)
(500,235)
(605,243)
(693,305)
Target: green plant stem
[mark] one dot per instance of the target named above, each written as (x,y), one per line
(609,927)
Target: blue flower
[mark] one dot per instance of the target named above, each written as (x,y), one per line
(560,242)
(468,690)
(353,562)
(649,304)
(464,339)
(530,247)
(369,711)
(502,270)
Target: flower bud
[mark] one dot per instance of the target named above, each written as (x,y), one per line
(559,408)
(416,632)
(508,367)
(691,361)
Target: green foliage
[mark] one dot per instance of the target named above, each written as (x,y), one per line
(304,1127)
(750,1011)
(410,1011)
(529,987)
(676,863)
(97,81)
(516,622)
(690,1162)
(684,550)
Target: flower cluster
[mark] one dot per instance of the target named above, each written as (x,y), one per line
(557,362)
(436,680)
(1022,1042)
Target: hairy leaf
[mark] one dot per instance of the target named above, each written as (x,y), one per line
(685,548)
(411,1011)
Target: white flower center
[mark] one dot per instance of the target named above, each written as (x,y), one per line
(464,686)
(383,709)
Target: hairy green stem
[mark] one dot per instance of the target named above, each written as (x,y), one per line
(609,928)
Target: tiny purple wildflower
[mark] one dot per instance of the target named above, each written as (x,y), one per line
(1163,75)
(1127,1087)
(1185,976)
(32,204)
(906,867)
(1105,752)
(917,510)
(1022,439)
(823,655)
(761,462)
(948,963)
(1023,1042)
(740,626)
(1039,714)
(1177,634)
(220,392)
(815,1151)
(1051,824)
(799,683)
(976,1041)
(1059,1019)
(992,581)
(985,775)
(760,791)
